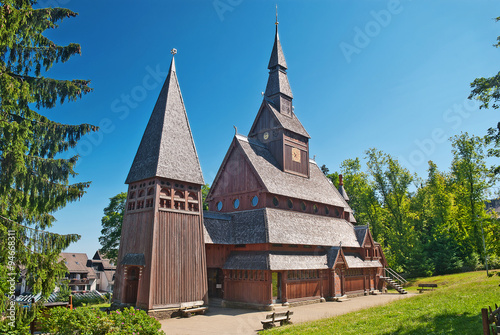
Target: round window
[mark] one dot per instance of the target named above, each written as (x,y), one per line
(336,212)
(303,206)
(219,205)
(255,201)
(236,203)
(276,202)
(327,210)
(290,203)
(315,209)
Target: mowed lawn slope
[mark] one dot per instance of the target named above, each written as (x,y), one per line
(453,308)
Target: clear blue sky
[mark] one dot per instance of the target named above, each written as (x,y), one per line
(366,73)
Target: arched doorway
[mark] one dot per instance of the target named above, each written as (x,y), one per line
(132,284)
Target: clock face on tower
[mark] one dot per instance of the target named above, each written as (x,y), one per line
(296,155)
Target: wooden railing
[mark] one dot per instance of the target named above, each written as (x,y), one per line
(395,276)
(491,318)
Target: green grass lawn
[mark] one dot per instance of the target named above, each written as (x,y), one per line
(453,308)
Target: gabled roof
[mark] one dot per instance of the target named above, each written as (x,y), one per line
(106,263)
(289,123)
(316,188)
(75,262)
(364,236)
(361,234)
(167,148)
(270,225)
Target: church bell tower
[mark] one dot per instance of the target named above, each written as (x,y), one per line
(161,262)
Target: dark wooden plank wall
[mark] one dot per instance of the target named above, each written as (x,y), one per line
(257,292)
(290,165)
(265,121)
(304,289)
(217,255)
(179,265)
(136,224)
(354,284)
(236,180)
(276,146)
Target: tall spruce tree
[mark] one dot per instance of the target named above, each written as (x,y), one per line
(34,181)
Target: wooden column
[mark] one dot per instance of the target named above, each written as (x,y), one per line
(269,282)
(342,281)
(284,287)
(321,278)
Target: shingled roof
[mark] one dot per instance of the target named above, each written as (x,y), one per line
(355,261)
(316,188)
(277,56)
(278,80)
(276,261)
(270,225)
(167,148)
(76,262)
(361,233)
(290,123)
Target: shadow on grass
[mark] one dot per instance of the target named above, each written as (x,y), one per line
(445,323)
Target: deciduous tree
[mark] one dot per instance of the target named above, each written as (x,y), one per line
(112,226)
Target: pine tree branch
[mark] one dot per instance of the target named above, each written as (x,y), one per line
(34,229)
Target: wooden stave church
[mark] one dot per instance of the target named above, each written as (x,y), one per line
(277,230)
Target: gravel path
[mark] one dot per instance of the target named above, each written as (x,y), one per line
(220,320)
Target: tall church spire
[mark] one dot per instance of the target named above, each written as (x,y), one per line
(278,89)
(167,148)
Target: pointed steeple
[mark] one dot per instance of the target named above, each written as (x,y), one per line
(167,148)
(277,56)
(278,89)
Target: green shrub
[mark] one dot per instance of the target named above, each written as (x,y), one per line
(494,262)
(89,321)
(23,317)
(471,263)
(88,300)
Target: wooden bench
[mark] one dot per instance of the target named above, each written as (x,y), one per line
(426,287)
(187,313)
(283,318)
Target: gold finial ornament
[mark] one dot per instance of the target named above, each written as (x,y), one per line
(276,15)
(173,51)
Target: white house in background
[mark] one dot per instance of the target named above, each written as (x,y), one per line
(82,278)
(86,274)
(105,272)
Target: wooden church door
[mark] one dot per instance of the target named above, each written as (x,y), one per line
(132,285)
